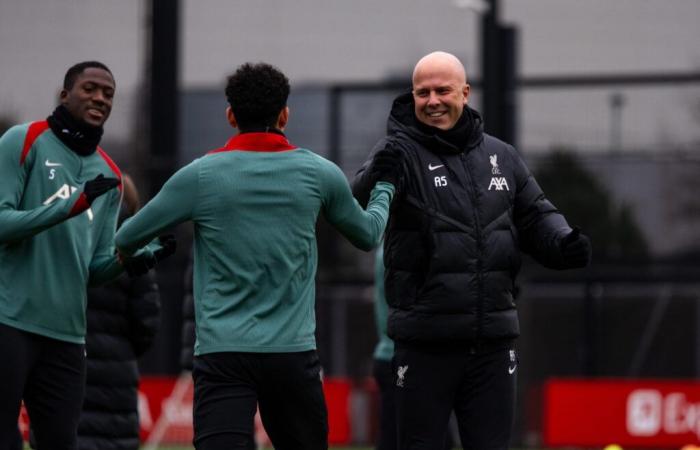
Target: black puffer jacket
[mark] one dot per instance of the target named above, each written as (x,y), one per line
(457,224)
(189,336)
(122,320)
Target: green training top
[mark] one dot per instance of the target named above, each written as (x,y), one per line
(52,242)
(384,350)
(254,204)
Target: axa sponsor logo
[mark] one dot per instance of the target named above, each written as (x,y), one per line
(497,183)
(650,412)
(64,193)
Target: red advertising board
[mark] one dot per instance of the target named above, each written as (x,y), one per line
(165,410)
(639,413)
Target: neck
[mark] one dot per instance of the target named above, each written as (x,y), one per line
(260,129)
(74,133)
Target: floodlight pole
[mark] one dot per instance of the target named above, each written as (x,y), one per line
(164,93)
(499,48)
(162,116)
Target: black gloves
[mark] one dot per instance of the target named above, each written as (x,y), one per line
(575,249)
(168,244)
(98,186)
(140,265)
(387,165)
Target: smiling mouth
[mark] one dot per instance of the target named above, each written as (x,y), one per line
(95,113)
(437,114)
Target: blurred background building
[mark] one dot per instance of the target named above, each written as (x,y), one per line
(601,97)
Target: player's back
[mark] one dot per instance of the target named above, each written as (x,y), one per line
(268,201)
(255,248)
(254,204)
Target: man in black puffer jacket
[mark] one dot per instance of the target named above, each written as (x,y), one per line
(466,206)
(122,320)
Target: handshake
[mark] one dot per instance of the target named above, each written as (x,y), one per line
(152,254)
(387,165)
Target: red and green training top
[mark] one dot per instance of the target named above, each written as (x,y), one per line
(52,242)
(254,204)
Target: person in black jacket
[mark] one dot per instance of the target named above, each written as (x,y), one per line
(466,207)
(188,334)
(122,320)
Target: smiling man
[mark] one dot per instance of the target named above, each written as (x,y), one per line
(59,200)
(467,205)
(440,90)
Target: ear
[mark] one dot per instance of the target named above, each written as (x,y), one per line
(230,117)
(283,118)
(63,95)
(465,93)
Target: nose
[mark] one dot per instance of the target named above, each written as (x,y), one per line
(433,98)
(99,96)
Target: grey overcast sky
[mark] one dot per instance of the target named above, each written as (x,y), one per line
(332,40)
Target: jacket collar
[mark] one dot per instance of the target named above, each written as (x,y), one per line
(257,142)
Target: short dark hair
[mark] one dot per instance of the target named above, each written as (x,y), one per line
(75,70)
(257,93)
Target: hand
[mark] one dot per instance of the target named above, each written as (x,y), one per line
(98,186)
(168,247)
(136,266)
(387,165)
(575,249)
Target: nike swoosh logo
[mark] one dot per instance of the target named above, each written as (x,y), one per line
(511,370)
(432,167)
(50,164)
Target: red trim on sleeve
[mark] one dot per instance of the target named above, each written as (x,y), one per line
(79,206)
(35,129)
(112,165)
(257,142)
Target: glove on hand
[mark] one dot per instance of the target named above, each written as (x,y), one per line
(387,165)
(98,186)
(139,265)
(575,249)
(168,244)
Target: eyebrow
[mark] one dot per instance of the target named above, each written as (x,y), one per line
(100,84)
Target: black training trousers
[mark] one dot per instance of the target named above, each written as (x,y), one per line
(479,384)
(50,376)
(384,375)
(286,387)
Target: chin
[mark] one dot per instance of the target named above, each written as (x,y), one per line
(93,123)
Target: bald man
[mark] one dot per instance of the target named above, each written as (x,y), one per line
(466,206)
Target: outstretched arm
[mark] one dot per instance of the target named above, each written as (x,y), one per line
(174,204)
(544,232)
(363,228)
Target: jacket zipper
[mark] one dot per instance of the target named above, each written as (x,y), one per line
(480,254)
